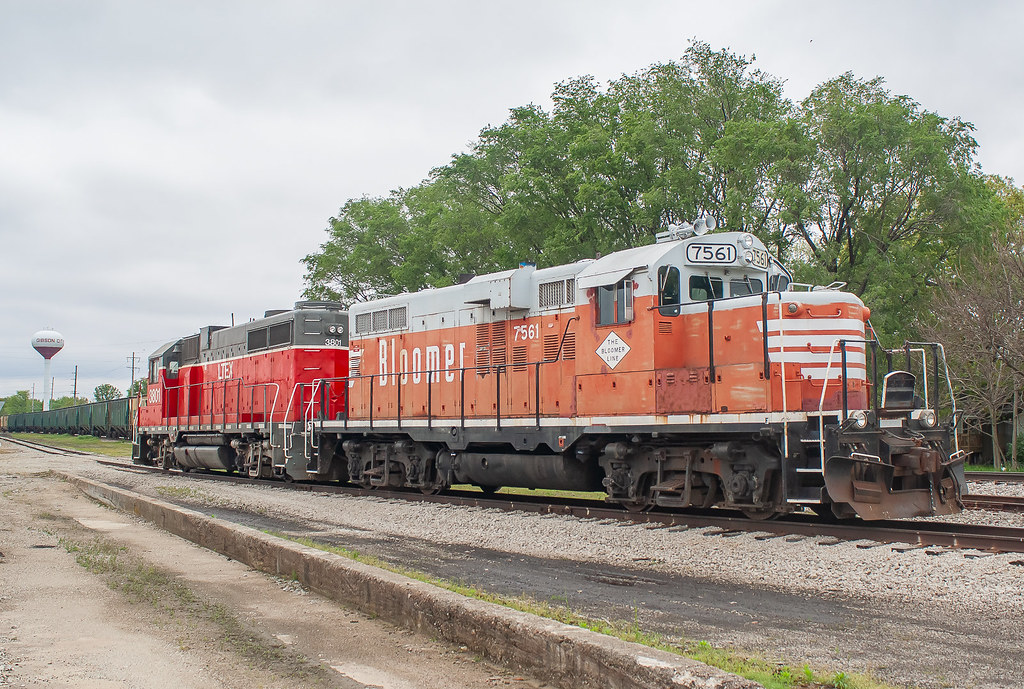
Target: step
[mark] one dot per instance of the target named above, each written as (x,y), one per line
(810,495)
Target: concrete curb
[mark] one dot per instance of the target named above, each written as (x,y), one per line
(570,656)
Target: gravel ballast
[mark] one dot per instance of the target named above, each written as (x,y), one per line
(972,602)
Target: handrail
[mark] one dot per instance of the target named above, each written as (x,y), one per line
(909,348)
(212,386)
(429,374)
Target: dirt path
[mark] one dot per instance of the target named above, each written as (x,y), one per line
(93,598)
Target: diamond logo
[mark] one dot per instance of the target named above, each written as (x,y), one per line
(613,350)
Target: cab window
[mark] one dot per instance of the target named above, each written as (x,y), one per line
(778,283)
(668,286)
(615,303)
(705,288)
(739,287)
(669,291)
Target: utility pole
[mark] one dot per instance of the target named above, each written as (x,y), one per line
(132,367)
(75,393)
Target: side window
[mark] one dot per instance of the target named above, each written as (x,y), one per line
(256,340)
(668,285)
(669,291)
(280,334)
(744,286)
(705,288)
(778,283)
(615,303)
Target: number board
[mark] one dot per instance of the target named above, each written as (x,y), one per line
(759,259)
(711,253)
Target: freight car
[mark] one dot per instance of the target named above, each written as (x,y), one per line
(690,372)
(110,419)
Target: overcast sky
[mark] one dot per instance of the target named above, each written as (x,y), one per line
(166,165)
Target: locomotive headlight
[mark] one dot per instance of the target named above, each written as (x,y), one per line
(927,418)
(748,256)
(333,329)
(859,417)
(747,241)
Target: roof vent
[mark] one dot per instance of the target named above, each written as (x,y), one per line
(319,305)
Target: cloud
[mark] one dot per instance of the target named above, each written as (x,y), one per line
(167,165)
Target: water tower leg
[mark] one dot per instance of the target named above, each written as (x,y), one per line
(46,384)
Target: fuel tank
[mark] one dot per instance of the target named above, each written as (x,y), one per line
(557,472)
(205,457)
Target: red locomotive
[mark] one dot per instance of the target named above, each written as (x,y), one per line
(690,372)
(233,398)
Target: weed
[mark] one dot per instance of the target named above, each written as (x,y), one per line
(140,582)
(183,493)
(841,681)
(85,443)
(772,675)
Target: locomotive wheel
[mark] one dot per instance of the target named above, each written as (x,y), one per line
(431,490)
(637,507)
(645,501)
(760,515)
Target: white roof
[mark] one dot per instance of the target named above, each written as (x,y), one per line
(614,267)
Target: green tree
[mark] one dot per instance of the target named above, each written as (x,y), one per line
(605,170)
(890,197)
(976,313)
(854,185)
(106,392)
(68,402)
(138,387)
(18,403)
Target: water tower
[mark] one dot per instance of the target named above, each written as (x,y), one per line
(47,343)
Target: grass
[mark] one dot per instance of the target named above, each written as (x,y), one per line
(989,467)
(141,583)
(84,443)
(543,492)
(772,675)
(185,493)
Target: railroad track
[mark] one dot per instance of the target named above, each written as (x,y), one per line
(1002,503)
(996,476)
(912,533)
(48,449)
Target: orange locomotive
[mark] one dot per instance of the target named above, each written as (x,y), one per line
(690,372)
(685,373)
